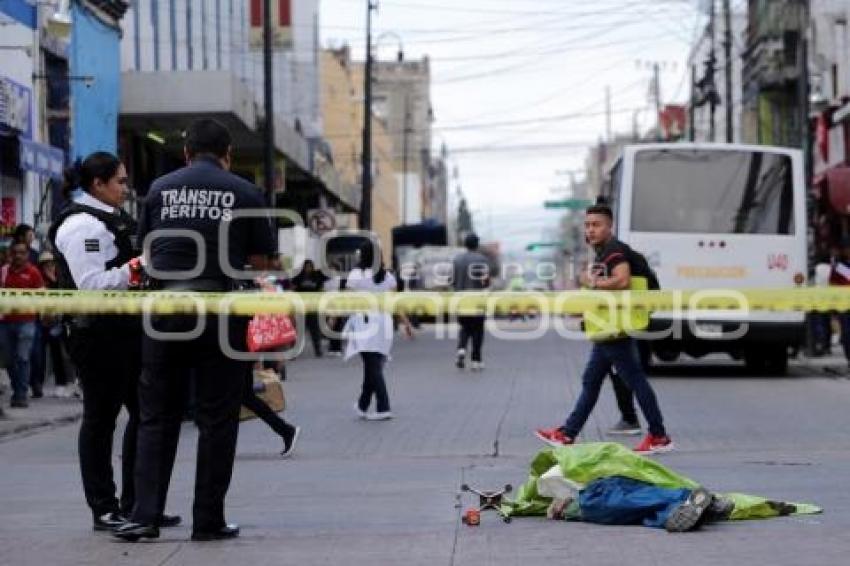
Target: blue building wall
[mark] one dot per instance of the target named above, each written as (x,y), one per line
(19,10)
(95,52)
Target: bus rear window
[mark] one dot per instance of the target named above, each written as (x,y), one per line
(713,191)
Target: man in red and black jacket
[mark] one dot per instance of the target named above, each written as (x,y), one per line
(17,331)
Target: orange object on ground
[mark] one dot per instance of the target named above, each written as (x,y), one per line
(472,517)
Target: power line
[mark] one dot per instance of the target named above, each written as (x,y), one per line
(534,26)
(583,81)
(578,145)
(515,66)
(455,8)
(560,47)
(550,118)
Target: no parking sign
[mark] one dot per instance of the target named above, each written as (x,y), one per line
(321,221)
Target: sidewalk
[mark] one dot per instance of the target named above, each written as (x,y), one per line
(41,413)
(832,363)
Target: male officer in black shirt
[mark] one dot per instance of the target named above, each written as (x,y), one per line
(198,198)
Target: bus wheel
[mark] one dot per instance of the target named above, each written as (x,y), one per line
(754,362)
(773,362)
(776,363)
(667,355)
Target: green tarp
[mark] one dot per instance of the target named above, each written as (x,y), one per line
(583,463)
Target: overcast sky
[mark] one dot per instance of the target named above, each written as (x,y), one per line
(510,76)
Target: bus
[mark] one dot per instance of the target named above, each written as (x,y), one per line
(716,216)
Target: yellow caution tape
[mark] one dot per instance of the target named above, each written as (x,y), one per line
(823,299)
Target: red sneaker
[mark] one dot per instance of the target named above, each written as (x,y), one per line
(553,437)
(655,445)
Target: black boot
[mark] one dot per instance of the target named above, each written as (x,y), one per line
(132,532)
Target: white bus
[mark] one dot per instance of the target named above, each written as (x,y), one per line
(712,216)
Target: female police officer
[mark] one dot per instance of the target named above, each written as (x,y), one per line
(94,243)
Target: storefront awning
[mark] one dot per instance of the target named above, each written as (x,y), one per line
(841,113)
(838,188)
(41,159)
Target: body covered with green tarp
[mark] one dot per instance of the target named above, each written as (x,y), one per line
(582,464)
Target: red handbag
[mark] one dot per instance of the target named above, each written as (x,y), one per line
(267,332)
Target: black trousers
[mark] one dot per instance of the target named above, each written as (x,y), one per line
(259,407)
(311,321)
(471,327)
(335,343)
(625,398)
(47,343)
(108,365)
(219,383)
(374,383)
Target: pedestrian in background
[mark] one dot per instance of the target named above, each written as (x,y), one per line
(336,323)
(822,321)
(25,234)
(370,334)
(471,272)
(628,425)
(288,433)
(311,280)
(840,277)
(18,331)
(50,339)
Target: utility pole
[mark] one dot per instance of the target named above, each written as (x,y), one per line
(635,128)
(268,102)
(692,109)
(712,61)
(608,114)
(365,221)
(803,89)
(405,148)
(727,48)
(657,83)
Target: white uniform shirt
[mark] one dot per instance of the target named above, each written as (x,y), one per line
(87,246)
(372,331)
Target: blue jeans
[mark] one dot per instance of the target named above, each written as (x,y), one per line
(822,329)
(622,501)
(16,339)
(844,322)
(623,355)
(38,359)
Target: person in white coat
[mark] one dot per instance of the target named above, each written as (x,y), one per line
(370,334)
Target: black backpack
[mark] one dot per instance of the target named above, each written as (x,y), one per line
(639,267)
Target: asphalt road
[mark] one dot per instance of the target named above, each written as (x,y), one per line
(387,493)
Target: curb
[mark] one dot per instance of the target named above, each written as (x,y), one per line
(31,427)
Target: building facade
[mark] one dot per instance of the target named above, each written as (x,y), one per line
(829,111)
(35,129)
(183,59)
(435,201)
(342,116)
(402,100)
(707,61)
(774,65)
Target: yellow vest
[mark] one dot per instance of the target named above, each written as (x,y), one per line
(608,323)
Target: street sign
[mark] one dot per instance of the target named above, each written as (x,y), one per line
(538,245)
(321,221)
(570,203)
